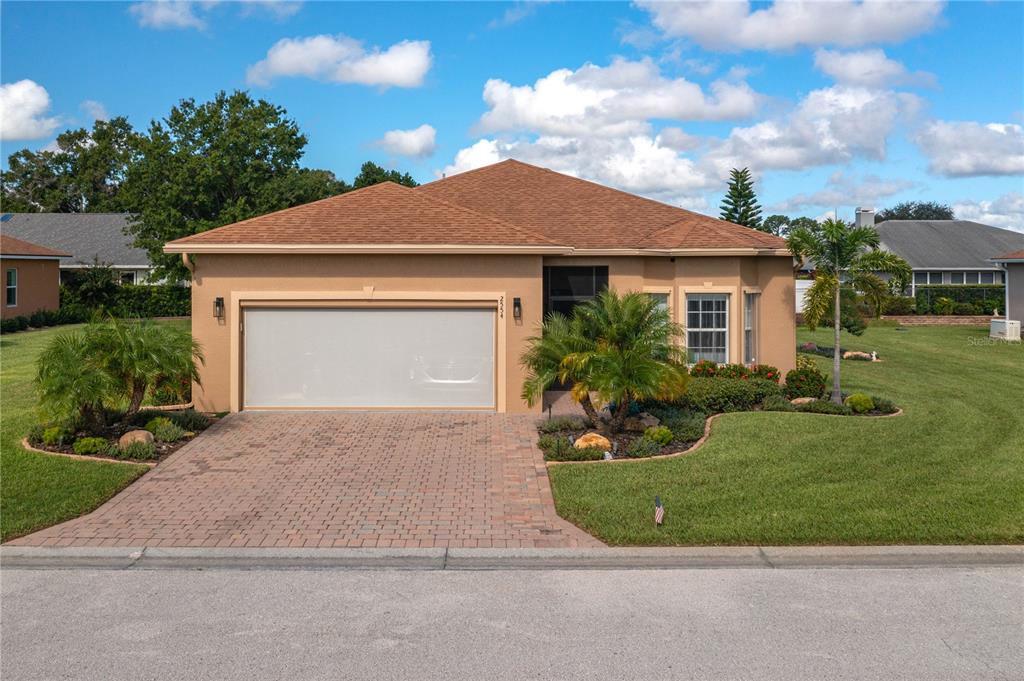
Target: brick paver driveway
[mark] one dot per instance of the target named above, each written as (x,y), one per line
(338,479)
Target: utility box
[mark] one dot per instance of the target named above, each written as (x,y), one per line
(1005,329)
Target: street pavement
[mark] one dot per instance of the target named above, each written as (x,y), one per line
(931,623)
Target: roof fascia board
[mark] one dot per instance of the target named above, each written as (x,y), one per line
(403,249)
(19,256)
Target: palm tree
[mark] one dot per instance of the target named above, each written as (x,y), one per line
(844,255)
(623,348)
(72,386)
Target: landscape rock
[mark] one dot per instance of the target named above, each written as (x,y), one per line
(802,400)
(134,436)
(592,440)
(641,422)
(854,354)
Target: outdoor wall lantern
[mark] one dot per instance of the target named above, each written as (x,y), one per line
(218,308)
(517,309)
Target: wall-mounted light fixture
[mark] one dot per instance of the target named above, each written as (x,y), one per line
(218,308)
(517,309)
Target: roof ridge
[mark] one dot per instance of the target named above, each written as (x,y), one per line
(499,221)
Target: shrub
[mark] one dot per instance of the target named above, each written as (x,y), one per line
(824,407)
(884,405)
(805,362)
(90,445)
(560,448)
(35,434)
(8,326)
(859,403)
(136,451)
(733,371)
(777,403)
(767,372)
(642,447)
(899,305)
(189,419)
(713,395)
(984,297)
(55,436)
(963,309)
(167,390)
(562,423)
(686,425)
(943,305)
(660,434)
(704,368)
(165,430)
(805,383)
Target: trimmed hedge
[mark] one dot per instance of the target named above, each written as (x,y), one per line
(130,300)
(712,395)
(983,297)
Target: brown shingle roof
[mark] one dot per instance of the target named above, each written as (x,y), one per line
(584,214)
(1013,255)
(11,247)
(385,213)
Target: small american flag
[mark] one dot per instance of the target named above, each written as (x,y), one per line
(659,511)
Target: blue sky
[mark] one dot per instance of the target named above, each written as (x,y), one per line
(831,105)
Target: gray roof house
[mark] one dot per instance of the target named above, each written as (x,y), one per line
(949,252)
(88,237)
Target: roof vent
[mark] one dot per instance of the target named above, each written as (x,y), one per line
(865,217)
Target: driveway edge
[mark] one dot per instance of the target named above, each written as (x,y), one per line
(708,557)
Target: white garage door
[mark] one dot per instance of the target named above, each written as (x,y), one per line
(416,358)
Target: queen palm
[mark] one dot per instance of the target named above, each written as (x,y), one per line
(621,348)
(843,255)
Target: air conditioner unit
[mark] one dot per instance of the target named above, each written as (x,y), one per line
(1005,329)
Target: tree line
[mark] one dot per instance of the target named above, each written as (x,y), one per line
(740,206)
(202,166)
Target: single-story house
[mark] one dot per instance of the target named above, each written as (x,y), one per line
(396,298)
(88,237)
(31,277)
(948,252)
(1013,274)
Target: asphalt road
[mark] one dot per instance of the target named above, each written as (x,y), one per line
(646,624)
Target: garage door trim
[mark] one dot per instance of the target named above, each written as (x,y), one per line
(363,298)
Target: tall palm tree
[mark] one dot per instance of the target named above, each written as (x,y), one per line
(844,255)
(623,348)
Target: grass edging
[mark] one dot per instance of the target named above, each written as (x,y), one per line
(707,433)
(85,457)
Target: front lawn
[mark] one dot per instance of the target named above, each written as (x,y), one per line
(37,490)
(949,470)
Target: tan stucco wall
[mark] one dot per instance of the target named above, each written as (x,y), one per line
(38,286)
(510,275)
(1014,277)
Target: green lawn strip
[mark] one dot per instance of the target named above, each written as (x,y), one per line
(949,470)
(37,490)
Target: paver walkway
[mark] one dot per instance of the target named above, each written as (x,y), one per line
(338,479)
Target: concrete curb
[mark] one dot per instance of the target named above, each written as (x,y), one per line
(698,557)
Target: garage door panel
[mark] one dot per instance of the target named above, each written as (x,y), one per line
(365,358)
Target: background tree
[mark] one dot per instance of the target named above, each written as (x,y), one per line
(84,174)
(780,225)
(740,204)
(371,173)
(845,256)
(915,210)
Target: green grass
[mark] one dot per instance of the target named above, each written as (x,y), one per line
(37,490)
(950,470)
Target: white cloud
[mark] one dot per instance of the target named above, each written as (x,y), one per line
(967,148)
(277,9)
(516,13)
(416,143)
(23,108)
(786,24)
(1007,211)
(95,110)
(613,101)
(167,14)
(868,68)
(830,125)
(342,59)
(678,139)
(843,190)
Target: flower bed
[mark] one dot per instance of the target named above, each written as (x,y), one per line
(167,431)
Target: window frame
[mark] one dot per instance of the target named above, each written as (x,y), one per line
(932,275)
(707,295)
(751,314)
(9,288)
(955,275)
(548,299)
(982,275)
(971,275)
(918,275)
(663,291)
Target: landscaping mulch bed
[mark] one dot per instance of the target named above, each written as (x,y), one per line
(622,441)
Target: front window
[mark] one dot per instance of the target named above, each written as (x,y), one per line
(956,277)
(988,277)
(12,287)
(750,301)
(707,327)
(935,277)
(970,277)
(127,277)
(662,300)
(567,287)
(920,278)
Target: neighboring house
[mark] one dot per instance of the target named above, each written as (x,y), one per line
(948,252)
(88,237)
(426,298)
(31,277)
(1013,274)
